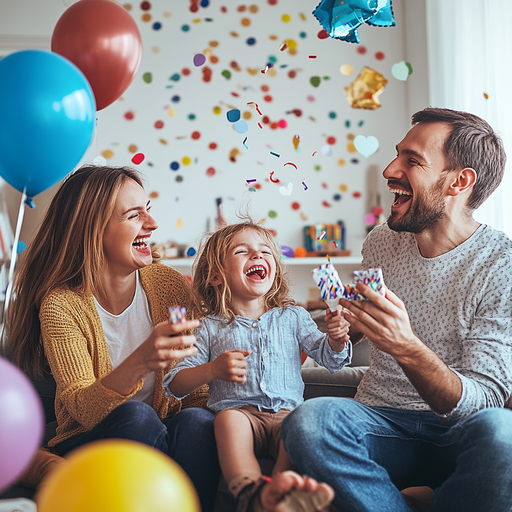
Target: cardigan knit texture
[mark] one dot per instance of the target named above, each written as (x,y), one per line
(75,346)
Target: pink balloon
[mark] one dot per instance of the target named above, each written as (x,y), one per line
(21,422)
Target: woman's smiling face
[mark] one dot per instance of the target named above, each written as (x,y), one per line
(126,238)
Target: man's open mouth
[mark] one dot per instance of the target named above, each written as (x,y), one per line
(257,270)
(401,196)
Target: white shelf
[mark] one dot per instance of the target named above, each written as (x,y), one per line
(306,262)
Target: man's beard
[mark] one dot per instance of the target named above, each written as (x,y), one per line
(425,214)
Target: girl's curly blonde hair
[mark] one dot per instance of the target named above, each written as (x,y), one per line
(210,264)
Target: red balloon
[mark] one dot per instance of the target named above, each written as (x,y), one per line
(103,41)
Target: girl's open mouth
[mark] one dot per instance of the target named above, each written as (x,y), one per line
(256,272)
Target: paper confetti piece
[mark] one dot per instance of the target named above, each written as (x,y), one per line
(305,186)
(256,105)
(99,161)
(271,179)
(275,154)
(233,115)
(250,181)
(290,163)
(245,143)
(314,153)
(138,158)
(326,150)
(241,126)
(366,145)
(261,127)
(400,71)
(283,47)
(199,59)
(286,191)
(322,235)
(312,56)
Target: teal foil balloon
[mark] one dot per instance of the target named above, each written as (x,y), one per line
(341,19)
(47,119)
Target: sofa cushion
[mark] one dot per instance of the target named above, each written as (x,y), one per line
(321,382)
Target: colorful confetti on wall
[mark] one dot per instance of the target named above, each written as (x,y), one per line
(246,101)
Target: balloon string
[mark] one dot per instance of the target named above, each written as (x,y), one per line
(14,253)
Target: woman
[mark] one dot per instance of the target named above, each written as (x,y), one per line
(91,304)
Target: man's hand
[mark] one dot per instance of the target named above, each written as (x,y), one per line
(384,321)
(231,366)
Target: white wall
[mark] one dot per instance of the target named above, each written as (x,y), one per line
(191,202)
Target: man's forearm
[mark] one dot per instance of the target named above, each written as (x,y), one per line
(436,383)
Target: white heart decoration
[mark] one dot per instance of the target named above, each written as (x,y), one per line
(366,145)
(400,71)
(286,191)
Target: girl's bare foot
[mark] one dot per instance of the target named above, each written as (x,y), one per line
(290,492)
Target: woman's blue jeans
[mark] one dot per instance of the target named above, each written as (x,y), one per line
(367,454)
(187,438)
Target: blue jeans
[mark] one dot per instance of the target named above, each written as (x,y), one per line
(187,438)
(368,453)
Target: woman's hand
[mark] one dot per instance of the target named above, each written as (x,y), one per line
(164,345)
(231,366)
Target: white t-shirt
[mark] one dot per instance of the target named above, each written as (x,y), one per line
(125,332)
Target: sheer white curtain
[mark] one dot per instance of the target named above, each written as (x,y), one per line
(469,54)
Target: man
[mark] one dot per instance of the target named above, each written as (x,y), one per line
(429,410)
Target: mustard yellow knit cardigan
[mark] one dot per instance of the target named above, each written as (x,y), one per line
(75,346)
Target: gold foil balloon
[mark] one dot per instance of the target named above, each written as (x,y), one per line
(364,91)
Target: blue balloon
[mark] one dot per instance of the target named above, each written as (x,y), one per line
(47,119)
(341,19)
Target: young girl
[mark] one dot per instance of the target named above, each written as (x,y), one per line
(249,347)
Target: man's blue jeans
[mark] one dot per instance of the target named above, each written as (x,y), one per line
(367,454)
(187,438)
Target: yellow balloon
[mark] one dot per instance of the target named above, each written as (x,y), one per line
(118,476)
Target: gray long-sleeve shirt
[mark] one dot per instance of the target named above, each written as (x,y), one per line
(460,306)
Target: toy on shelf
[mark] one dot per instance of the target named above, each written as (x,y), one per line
(325,239)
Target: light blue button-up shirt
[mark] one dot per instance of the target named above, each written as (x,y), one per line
(275,340)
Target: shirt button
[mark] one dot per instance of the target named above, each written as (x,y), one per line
(255,324)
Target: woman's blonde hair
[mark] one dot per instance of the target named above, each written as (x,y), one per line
(216,299)
(66,251)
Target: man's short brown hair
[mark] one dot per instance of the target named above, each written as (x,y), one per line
(471,143)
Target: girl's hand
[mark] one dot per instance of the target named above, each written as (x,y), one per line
(231,366)
(337,329)
(165,344)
